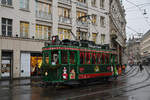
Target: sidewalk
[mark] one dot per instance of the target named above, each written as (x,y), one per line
(20,82)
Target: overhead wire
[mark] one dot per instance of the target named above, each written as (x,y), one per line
(140,11)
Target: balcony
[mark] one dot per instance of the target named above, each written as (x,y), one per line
(43,15)
(64,20)
(82,5)
(65,1)
(82,24)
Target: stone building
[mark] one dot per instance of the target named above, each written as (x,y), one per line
(27,24)
(133,50)
(145,48)
(118,29)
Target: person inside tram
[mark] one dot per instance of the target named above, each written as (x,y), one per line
(55,59)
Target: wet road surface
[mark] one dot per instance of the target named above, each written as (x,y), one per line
(134,85)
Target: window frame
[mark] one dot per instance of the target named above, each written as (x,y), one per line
(23,33)
(6,2)
(6,24)
(24,4)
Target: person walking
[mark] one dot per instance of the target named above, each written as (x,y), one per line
(140,66)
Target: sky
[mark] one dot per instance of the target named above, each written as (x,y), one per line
(137,21)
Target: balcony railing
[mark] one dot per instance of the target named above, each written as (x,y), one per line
(43,15)
(82,24)
(65,1)
(81,4)
(64,20)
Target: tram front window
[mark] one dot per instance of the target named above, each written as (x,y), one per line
(54,57)
(46,57)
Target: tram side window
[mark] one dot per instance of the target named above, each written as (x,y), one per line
(107,58)
(46,57)
(103,58)
(72,57)
(99,58)
(111,59)
(64,57)
(82,58)
(93,58)
(54,57)
(88,58)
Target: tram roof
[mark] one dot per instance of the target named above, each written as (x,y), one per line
(77,48)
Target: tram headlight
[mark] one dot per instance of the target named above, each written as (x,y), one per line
(46,73)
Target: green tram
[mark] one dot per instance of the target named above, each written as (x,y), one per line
(66,63)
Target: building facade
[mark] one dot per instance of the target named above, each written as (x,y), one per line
(145,48)
(118,29)
(27,24)
(133,51)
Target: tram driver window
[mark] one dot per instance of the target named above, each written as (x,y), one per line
(54,57)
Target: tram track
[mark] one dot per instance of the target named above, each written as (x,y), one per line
(129,72)
(121,89)
(129,76)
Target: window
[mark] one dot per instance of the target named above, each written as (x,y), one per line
(82,35)
(6,27)
(94,17)
(64,12)
(24,4)
(102,38)
(6,2)
(54,57)
(93,3)
(94,35)
(83,1)
(64,34)
(24,29)
(102,21)
(103,58)
(43,32)
(80,14)
(102,3)
(93,58)
(43,7)
(82,58)
(99,58)
(88,58)
(46,57)
(72,57)
(64,57)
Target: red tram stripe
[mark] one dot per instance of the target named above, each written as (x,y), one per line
(85,76)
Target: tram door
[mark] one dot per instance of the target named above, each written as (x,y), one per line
(25,64)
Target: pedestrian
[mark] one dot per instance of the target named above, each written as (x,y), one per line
(115,72)
(140,66)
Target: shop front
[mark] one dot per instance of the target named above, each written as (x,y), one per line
(6,64)
(36,62)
